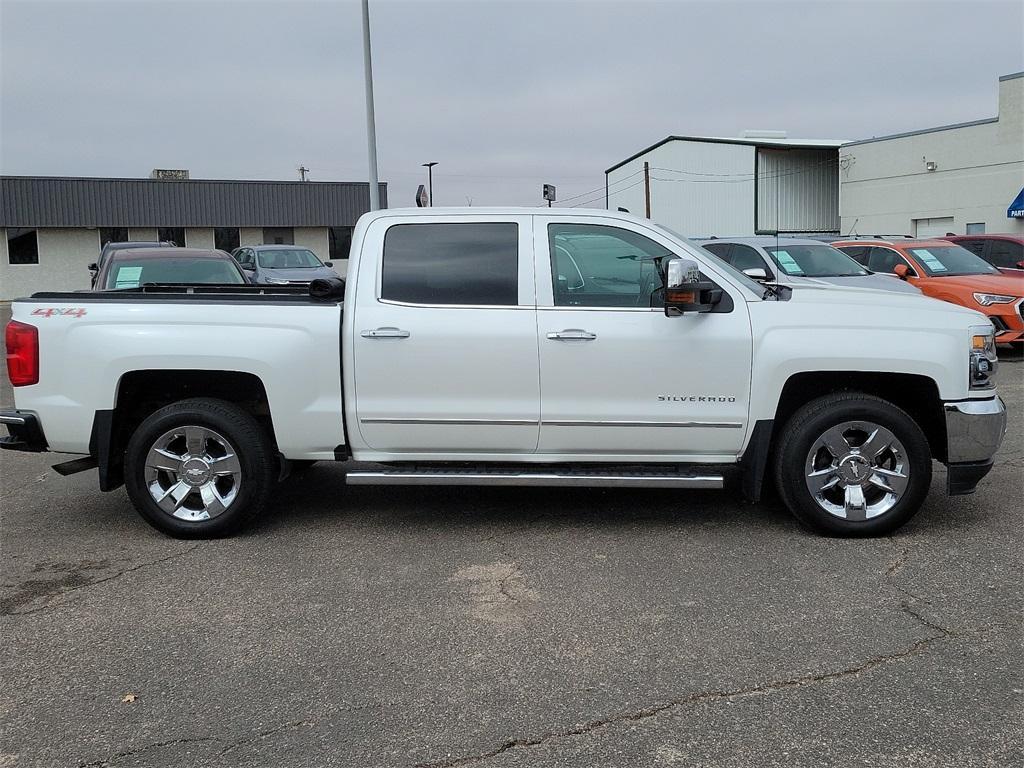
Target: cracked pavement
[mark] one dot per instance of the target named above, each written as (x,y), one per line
(414,627)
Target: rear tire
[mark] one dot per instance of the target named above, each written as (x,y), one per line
(199,468)
(851,464)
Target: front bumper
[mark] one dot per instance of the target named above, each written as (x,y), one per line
(1008,321)
(974,432)
(26,434)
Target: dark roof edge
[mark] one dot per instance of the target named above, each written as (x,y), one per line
(767,143)
(186,181)
(1011,76)
(924,130)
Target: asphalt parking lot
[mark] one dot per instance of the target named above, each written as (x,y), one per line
(510,627)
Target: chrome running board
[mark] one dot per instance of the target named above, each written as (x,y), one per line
(572,478)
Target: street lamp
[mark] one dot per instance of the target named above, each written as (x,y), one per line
(430,181)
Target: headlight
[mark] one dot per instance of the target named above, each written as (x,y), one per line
(276,281)
(983,359)
(988,299)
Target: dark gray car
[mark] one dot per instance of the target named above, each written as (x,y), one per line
(281,264)
(113,247)
(799,261)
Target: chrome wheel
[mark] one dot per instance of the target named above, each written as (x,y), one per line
(193,473)
(857,470)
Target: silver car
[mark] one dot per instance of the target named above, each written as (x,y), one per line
(798,261)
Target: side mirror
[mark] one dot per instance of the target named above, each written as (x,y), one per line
(94,267)
(328,263)
(901,271)
(756,273)
(685,291)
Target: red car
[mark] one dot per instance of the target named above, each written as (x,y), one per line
(1003,251)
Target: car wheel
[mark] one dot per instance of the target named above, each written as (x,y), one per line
(199,468)
(850,464)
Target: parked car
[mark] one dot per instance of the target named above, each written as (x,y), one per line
(114,247)
(799,261)
(281,264)
(946,271)
(458,352)
(131,268)
(1005,252)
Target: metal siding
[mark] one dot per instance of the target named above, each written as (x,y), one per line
(70,202)
(797,190)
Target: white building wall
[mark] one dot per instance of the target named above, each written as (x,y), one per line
(885,186)
(314,238)
(698,188)
(142,234)
(797,190)
(64,257)
(250,236)
(199,237)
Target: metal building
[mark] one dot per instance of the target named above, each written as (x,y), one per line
(962,178)
(52,228)
(703,186)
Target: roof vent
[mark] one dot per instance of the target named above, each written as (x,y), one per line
(764,134)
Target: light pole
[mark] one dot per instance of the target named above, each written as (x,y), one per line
(430,181)
(371,129)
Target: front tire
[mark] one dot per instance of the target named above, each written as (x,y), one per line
(199,468)
(851,464)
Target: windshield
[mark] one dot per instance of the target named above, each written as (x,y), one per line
(814,261)
(129,273)
(288,258)
(751,285)
(945,260)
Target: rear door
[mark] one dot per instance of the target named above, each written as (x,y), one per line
(445,336)
(619,379)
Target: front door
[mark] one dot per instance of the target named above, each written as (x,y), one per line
(619,379)
(445,338)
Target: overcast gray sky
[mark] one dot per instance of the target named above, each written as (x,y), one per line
(504,95)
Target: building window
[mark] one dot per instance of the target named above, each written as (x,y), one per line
(113,235)
(174,235)
(977,228)
(340,239)
(22,246)
(278,236)
(451,264)
(226,238)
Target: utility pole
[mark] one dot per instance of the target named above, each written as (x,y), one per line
(371,126)
(647,189)
(303,170)
(430,182)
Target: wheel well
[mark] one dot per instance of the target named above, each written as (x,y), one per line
(141,393)
(917,395)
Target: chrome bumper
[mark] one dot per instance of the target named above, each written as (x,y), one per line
(974,430)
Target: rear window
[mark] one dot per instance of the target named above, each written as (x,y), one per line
(128,273)
(452,264)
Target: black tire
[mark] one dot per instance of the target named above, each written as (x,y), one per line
(251,444)
(799,434)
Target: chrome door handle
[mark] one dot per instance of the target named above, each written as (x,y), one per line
(572,334)
(385,333)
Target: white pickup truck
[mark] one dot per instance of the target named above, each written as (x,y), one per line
(510,347)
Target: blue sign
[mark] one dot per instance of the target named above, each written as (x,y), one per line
(1016,209)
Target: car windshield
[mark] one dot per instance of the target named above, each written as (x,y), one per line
(288,258)
(814,261)
(751,285)
(947,260)
(131,273)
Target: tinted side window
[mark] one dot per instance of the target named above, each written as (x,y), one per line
(1004,253)
(598,266)
(883,260)
(858,253)
(745,257)
(977,247)
(721,250)
(452,264)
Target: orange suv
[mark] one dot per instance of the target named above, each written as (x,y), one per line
(944,270)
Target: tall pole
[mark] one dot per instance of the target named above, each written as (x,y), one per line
(430,181)
(647,189)
(371,126)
